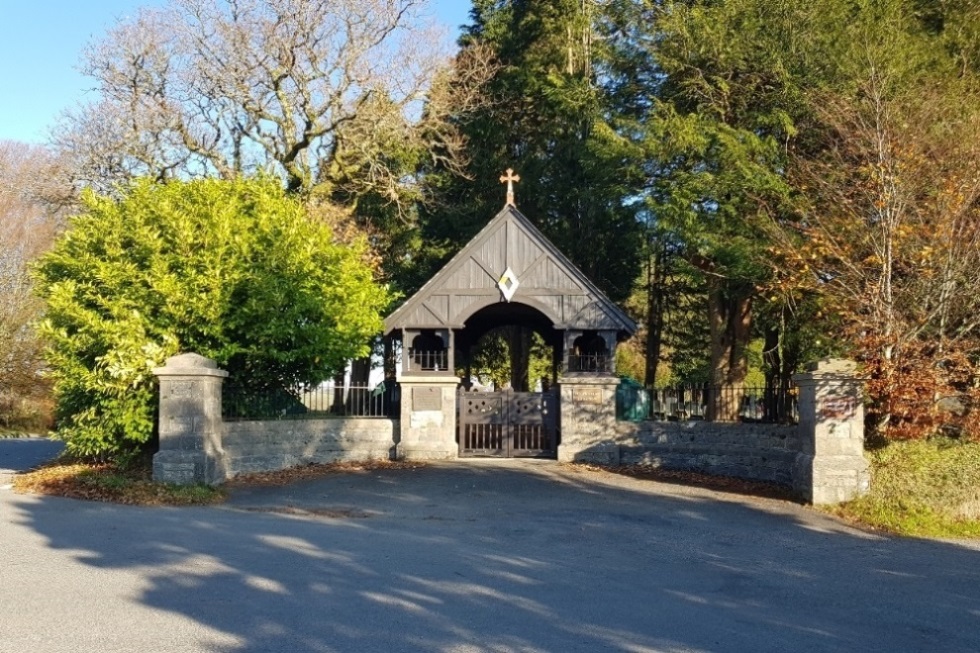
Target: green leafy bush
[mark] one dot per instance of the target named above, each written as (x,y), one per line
(234,270)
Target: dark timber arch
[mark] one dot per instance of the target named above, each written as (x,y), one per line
(509,274)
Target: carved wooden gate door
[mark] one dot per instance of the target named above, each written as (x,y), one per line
(508,424)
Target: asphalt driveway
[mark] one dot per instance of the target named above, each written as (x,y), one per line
(474,556)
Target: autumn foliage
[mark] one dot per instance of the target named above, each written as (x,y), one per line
(888,240)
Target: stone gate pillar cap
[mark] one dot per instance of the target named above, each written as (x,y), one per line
(189,364)
(833,365)
(191,360)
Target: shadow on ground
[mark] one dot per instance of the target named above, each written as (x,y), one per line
(474,557)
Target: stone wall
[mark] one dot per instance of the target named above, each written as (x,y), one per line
(260,446)
(822,458)
(764,452)
(198,446)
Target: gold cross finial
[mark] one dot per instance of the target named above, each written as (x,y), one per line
(509,179)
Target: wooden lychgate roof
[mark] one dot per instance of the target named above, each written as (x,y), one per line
(542,277)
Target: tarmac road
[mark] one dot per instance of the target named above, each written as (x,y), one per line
(19,454)
(474,556)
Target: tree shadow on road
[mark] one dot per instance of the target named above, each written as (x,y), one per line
(480,558)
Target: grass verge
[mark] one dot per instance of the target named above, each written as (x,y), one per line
(928,488)
(106,482)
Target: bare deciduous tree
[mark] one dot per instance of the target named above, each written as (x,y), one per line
(29,218)
(892,240)
(319,91)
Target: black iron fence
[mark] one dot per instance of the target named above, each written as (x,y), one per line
(328,399)
(707,402)
(427,360)
(589,364)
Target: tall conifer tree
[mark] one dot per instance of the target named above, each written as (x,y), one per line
(551,120)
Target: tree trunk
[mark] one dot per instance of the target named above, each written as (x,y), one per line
(360,371)
(774,393)
(337,406)
(730,324)
(519,341)
(655,316)
(388,359)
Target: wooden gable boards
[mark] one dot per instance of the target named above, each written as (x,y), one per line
(545,279)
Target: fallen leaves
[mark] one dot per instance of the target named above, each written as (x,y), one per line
(329,513)
(108,483)
(314,471)
(729,484)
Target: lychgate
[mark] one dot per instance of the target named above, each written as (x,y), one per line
(509,274)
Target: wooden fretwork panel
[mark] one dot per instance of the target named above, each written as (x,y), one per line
(508,424)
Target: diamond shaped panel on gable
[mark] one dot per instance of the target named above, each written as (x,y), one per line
(508,284)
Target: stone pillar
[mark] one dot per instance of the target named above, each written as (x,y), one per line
(428,418)
(831,467)
(190,421)
(588,420)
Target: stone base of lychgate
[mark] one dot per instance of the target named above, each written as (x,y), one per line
(428,418)
(587,420)
(831,467)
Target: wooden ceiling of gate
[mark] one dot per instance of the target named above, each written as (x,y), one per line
(545,280)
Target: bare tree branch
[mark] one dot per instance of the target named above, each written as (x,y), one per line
(201,87)
(31,211)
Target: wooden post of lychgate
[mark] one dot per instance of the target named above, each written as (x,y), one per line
(190,421)
(831,467)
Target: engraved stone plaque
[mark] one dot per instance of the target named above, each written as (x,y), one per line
(587,396)
(426,399)
(183,389)
(838,408)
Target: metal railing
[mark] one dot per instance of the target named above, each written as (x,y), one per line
(325,400)
(679,403)
(723,404)
(427,360)
(589,364)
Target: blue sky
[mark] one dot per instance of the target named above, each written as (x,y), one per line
(40,44)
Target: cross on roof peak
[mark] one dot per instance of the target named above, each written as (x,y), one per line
(509,179)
